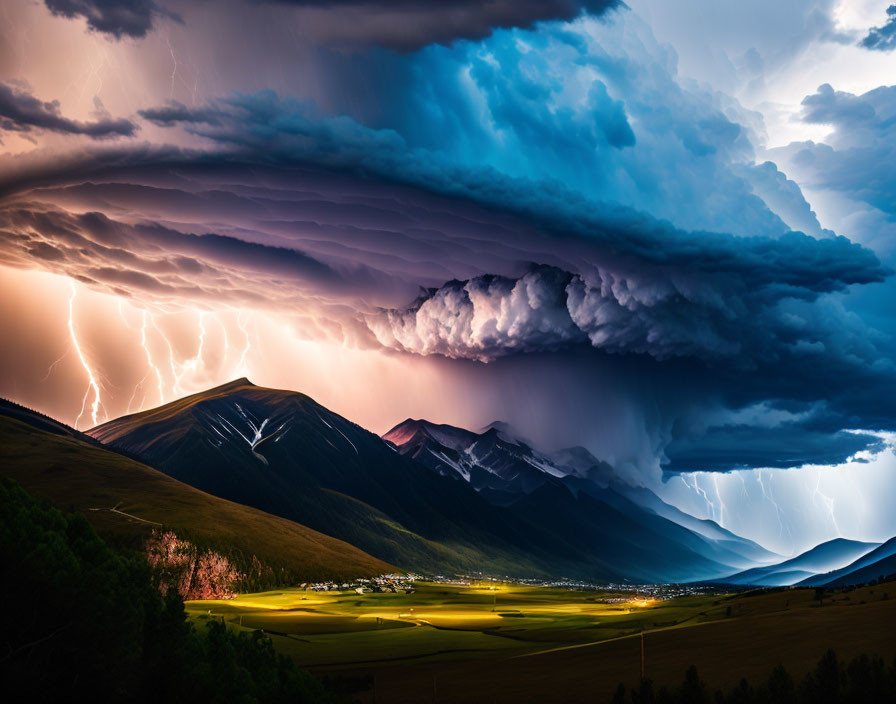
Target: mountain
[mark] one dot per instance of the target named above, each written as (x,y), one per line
(822,558)
(495,460)
(126,499)
(283,453)
(485,461)
(747,551)
(879,562)
(575,496)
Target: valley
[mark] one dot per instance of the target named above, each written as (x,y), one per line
(517,643)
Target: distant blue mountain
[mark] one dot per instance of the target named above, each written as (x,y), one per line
(825,557)
(880,562)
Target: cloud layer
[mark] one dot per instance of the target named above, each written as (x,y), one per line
(21,112)
(117,18)
(398,24)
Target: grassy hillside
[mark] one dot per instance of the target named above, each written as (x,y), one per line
(124,498)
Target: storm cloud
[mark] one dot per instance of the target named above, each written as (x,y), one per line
(117,18)
(855,164)
(554,203)
(397,24)
(20,111)
(883,38)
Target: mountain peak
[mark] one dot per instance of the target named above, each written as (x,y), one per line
(407,430)
(504,431)
(235,384)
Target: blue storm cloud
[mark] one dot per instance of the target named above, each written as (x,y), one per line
(882,38)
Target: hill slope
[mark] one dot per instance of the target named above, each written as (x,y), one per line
(748,551)
(73,472)
(822,558)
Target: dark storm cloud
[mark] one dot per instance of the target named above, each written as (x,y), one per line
(397,24)
(583,272)
(118,18)
(405,26)
(668,310)
(746,447)
(883,38)
(177,113)
(22,112)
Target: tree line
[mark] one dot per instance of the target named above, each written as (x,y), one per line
(84,622)
(862,680)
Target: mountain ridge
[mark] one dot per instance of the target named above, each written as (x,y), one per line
(822,558)
(123,497)
(506,471)
(875,563)
(286,454)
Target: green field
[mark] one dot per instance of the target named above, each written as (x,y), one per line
(520,643)
(438,621)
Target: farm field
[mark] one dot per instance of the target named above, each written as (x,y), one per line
(521,643)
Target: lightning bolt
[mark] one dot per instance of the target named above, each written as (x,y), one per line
(134,395)
(715,481)
(149,361)
(193,364)
(709,504)
(92,384)
(241,365)
(172,363)
(54,365)
(743,483)
(180,369)
(828,502)
(201,337)
(122,315)
(174,68)
(769,496)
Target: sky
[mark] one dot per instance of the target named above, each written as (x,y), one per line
(662,231)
